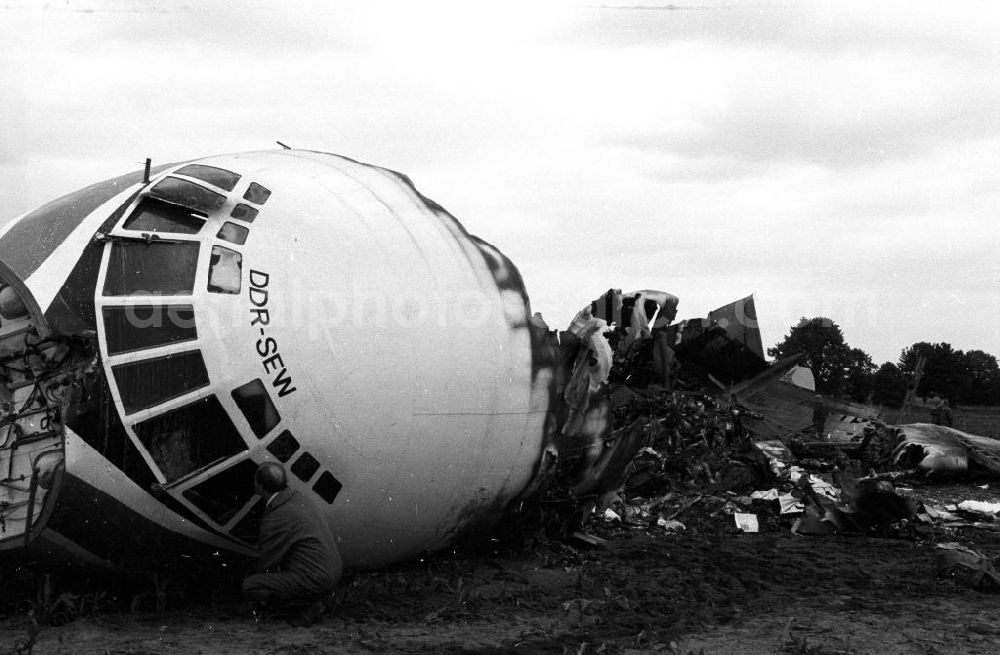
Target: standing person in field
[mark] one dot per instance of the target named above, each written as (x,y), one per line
(819,415)
(945,413)
(937,407)
(298,564)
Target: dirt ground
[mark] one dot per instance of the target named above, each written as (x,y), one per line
(704,589)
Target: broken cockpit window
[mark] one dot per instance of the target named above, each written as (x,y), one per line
(187,194)
(225,270)
(223,495)
(233,233)
(153,215)
(215,176)
(189,438)
(157,268)
(256,405)
(150,382)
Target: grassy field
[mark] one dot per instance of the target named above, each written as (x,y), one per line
(984,421)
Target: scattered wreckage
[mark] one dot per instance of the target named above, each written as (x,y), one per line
(728,435)
(163,333)
(941,450)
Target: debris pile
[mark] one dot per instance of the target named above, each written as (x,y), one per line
(670,428)
(968,567)
(942,451)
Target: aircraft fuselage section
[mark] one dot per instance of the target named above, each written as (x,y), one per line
(283,306)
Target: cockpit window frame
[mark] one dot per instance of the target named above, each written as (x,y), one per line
(187,193)
(131,272)
(209,499)
(208,408)
(157,216)
(228,210)
(216,176)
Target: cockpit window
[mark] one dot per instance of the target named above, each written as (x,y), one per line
(150,382)
(187,194)
(137,327)
(257,407)
(233,233)
(225,270)
(215,176)
(327,487)
(164,268)
(223,495)
(304,467)
(257,194)
(283,446)
(189,438)
(153,215)
(244,213)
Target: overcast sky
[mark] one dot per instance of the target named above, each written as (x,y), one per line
(834,159)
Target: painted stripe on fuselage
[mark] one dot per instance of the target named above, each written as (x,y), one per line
(50,276)
(102,524)
(92,468)
(70,548)
(37,234)
(71,310)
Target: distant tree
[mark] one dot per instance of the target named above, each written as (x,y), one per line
(944,372)
(970,378)
(822,344)
(889,385)
(859,381)
(981,379)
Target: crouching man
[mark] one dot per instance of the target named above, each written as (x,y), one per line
(298,564)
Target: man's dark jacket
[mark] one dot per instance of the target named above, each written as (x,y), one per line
(298,558)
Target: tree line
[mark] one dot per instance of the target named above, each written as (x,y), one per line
(963,377)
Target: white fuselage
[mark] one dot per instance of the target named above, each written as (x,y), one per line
(349,328)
